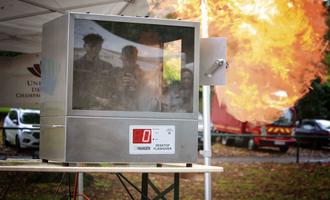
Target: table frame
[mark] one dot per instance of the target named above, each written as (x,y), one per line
(34,165)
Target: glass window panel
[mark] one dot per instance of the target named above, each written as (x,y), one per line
(122,66)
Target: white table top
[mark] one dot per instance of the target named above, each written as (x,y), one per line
(35,165)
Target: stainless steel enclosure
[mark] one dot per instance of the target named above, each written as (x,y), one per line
(127,101)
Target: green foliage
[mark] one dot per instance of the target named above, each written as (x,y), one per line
(3,113)
(171,72)
(172,64)
(327,59)
(4,110)
(316,104)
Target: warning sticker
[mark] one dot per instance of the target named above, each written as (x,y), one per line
(144,139)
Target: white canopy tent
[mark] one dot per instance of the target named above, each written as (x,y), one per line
(21,20)
(21,31)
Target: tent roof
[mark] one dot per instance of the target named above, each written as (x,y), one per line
(21,20)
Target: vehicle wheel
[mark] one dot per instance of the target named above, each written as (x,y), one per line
(251,144)
(18,144)
(4,139)
(284,149)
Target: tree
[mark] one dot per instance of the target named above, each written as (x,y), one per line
(316,104)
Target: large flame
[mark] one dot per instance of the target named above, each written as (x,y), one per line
(275,50)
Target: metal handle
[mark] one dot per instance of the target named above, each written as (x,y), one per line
(57,126)
(53,126)
(218,63)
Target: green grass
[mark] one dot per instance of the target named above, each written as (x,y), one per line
(274,181)
(3,113)
(259,181)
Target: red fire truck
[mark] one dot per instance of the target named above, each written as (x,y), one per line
(275,134)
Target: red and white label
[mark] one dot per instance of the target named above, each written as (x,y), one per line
(144,139)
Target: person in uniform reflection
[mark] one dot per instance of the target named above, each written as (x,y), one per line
(132,93)
(90,75)
(178,96)
(128,80)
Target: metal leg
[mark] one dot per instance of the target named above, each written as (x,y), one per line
(298,153)
(69,185)
(176,186)
(163,193)
(152,185)
(144,186)
(124,185)
(145,182)
(129,182)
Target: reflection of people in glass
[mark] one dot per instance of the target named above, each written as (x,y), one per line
(132,72)
(129,80)
(90,74)
(178,96)
(172,101)
(186,91)
(135,92)
(152,89)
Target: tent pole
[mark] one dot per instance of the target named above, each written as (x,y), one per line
(207,152)
(81,185)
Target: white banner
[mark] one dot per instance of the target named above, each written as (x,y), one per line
(20,81)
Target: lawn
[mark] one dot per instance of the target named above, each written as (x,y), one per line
(238,181)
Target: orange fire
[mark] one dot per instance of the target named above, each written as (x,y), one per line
(275,50)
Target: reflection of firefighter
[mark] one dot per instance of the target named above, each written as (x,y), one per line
(90,75)
(131,92)
(129,81)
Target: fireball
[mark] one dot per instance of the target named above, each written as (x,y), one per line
(275,49)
